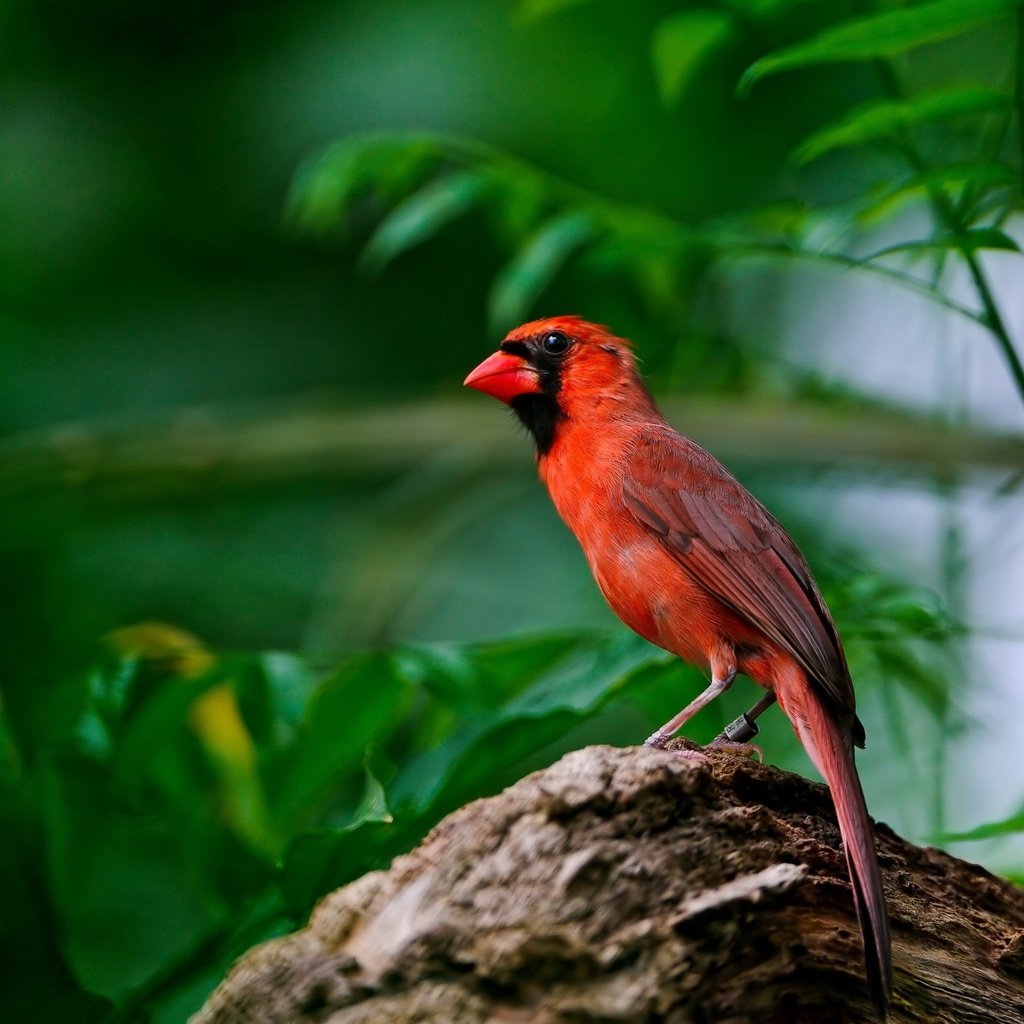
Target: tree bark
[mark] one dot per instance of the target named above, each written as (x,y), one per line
(643,886)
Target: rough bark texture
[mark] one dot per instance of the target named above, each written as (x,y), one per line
(637,885)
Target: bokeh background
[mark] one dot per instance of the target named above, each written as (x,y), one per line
(278,594)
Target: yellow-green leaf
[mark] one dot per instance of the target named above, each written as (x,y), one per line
(420,216)
(882,118)
(681,42)
(880,35)
(529,9)
(534,267)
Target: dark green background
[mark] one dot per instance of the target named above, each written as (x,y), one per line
(154,296)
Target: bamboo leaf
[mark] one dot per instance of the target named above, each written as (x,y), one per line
(530,9)
(883,118)
(533,268)
(764,10)
(422,215)
(1008,826)
(879,35)
(679,45)
(324,189)
(985,174)
(976,238)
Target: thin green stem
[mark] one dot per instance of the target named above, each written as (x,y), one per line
(950,218)
(1019,90)
(839,259)
(994,320)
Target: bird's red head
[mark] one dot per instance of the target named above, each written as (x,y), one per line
(536,357)
(557,368)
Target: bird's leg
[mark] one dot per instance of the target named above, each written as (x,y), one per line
(722,676)
(737,734)
(744,728)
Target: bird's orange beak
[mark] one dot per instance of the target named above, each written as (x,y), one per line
(504,376)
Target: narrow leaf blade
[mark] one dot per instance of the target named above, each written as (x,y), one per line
(882,118)
(1012,825)
(986,174)
(679,45)
(879,35)
(536,9)
(422,215)
(325,188)
(533,268)
(976,238)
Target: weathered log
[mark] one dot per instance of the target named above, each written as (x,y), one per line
(637,885)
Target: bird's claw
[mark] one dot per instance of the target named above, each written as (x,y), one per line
(690,752)
(740,749)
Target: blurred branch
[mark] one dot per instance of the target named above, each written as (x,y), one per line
(233,447)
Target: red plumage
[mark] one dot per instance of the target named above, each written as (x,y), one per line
(691,561)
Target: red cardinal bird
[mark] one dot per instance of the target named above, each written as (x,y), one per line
(691,561)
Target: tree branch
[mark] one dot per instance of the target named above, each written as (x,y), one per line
(635,885)
(206,449)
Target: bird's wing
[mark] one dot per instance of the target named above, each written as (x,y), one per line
(738,552)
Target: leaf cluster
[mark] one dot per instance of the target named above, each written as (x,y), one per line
(185,804)
(414,186)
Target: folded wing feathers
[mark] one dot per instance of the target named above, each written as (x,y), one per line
(738,552)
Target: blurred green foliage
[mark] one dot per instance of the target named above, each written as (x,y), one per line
(185,805)
(166,804)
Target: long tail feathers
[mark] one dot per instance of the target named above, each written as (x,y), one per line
(832,753)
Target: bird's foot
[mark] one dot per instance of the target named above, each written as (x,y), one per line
(682,747)
(695,756)
(740,749)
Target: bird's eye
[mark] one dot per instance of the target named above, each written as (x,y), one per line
(554,343)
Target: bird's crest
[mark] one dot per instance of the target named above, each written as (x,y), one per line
(575,326)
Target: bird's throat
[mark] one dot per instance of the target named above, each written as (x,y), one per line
(541,415)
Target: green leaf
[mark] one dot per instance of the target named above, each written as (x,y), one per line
(1008,826)
(363,703)
(764,10)
(155,747)
(975,238)
(108,689)
(883,118)
(898,662)
(272,690)
(317,862)
(420,216)
(10,759)
(531,9)
(38,983)
(890,198)
(374,804)
(679,45)
(325,188)
(525,196)
(481,752)
(474,678)
(880,35)
(532,269)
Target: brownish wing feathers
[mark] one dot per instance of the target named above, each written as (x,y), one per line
(735,549)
